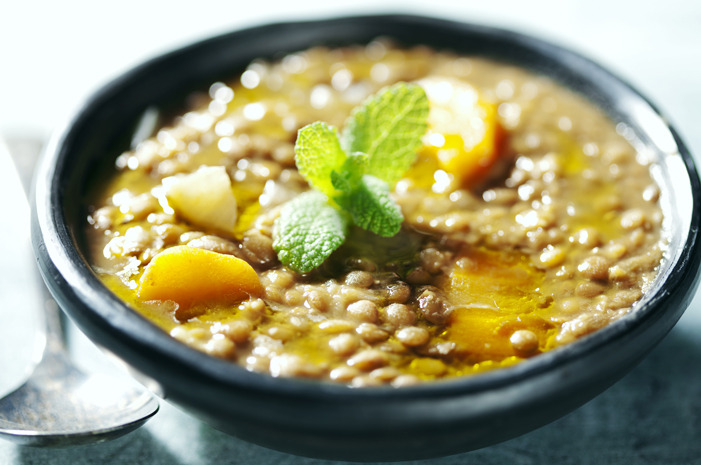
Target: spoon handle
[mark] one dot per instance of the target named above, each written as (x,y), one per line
(55,344)
(25,152)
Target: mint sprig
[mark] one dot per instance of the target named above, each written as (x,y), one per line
(352,176)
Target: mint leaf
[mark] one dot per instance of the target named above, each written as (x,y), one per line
(308,230)
(317,154)
(372,208)
(389,128)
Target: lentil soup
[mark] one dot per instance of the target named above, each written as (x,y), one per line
(529,222)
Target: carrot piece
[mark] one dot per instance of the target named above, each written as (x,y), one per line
(495,294)
(472,164)
(464,135)
(486,333)
(188,275)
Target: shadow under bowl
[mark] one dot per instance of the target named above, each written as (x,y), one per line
(332,421)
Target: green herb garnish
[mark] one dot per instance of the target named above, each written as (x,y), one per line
(352,176)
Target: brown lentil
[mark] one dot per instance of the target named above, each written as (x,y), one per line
(524,341)
(368,359)
(359,278)
(413,336)
(362,310)
(398,315)
(433,307)
(344,344)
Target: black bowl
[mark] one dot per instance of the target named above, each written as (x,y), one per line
(333,421)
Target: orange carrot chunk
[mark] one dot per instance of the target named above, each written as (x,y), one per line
(464,134)
(188,275)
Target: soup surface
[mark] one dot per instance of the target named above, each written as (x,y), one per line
(529,221)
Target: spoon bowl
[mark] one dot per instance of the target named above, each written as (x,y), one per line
(60,405)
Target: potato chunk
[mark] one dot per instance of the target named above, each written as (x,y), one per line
(204,197)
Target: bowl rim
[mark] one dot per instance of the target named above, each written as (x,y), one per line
(61,261)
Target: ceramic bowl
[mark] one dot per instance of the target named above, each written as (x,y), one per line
(332,421)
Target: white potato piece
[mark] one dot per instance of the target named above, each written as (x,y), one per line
(204,197)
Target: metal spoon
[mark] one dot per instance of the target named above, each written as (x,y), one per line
(58,405)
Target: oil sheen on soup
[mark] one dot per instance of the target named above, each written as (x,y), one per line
(529,221)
